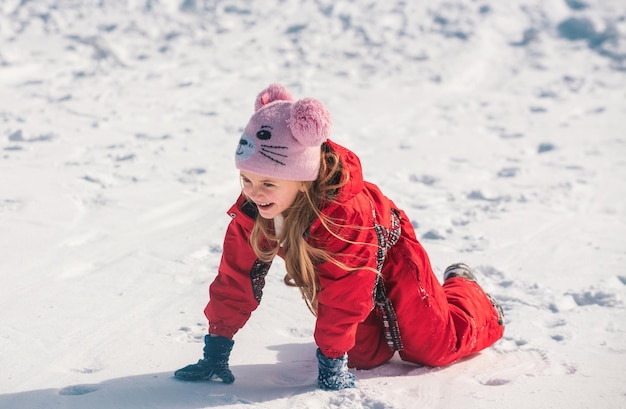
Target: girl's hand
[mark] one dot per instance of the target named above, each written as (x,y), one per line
(214,365)
(333,374)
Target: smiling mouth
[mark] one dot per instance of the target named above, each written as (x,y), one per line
(264,205)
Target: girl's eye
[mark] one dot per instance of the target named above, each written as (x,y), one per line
(268,185)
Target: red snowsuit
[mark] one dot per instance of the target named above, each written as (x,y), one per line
(406,309)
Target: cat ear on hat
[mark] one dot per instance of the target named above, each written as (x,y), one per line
(274,92)
(310,122)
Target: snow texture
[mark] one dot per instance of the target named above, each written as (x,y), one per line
(497,125)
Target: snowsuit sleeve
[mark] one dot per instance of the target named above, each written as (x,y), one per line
(237,288)
(346,296)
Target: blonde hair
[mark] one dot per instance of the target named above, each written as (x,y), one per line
(300,257)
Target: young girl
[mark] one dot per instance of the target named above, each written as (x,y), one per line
(348,248)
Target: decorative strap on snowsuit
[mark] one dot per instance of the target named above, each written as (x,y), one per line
(257,276)
(387,237)
(259,268)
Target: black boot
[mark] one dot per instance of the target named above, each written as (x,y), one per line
(214,365)
(458,270)
(462,270)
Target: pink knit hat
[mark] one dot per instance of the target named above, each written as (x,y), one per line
(283,138)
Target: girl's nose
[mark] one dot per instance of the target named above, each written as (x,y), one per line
(252,192)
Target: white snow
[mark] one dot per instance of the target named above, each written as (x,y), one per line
(499,126)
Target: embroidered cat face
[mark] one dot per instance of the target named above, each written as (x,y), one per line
(267,135)
(283,138)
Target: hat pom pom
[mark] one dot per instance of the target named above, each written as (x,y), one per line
(310,122)
(275,92)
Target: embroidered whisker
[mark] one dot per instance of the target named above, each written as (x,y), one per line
(270,158)
(273,153)
(274,146)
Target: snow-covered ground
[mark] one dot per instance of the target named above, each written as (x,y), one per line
(499,126)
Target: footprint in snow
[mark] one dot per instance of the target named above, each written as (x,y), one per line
(75,390)
(591,297)
(193,334)
(507,367)
(18,136)
(10,205)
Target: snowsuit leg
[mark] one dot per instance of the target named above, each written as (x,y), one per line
(438,324)
(475,318)
(370,349)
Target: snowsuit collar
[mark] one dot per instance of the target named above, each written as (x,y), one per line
(352,163)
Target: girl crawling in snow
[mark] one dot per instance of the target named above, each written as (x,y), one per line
(348,248)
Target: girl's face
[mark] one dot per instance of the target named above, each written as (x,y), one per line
(272,196)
